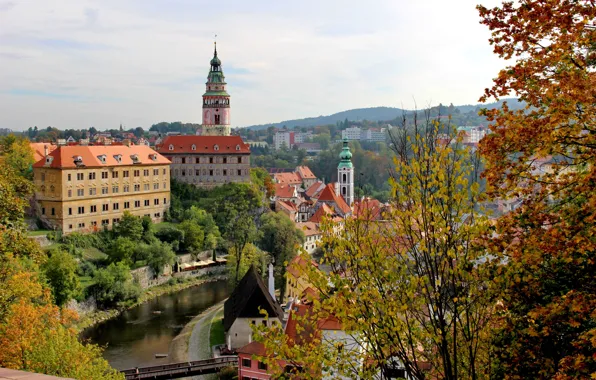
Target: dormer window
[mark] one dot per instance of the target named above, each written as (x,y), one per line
(153,156)
(193,147)
(78,160)
(216,147)
(118,158)
(171,147)
(49,160)
(102,158)
(238,147)
(135,159)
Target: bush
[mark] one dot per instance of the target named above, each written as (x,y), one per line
(113,285)
(171,235)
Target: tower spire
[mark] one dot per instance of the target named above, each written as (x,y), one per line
(215,46)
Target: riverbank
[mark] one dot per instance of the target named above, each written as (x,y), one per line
(99,316)
(184,346)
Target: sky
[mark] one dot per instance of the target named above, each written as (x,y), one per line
(83,63)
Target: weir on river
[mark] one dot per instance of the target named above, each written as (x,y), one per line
(135,336)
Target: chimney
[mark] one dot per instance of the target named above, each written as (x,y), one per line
(45,151)
(271,281)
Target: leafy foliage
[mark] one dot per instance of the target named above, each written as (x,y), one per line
(114,284)
(60,270)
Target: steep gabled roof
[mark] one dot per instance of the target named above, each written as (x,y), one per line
(309,228)
(305,173)
(314,189)
(328,195)
(39,150)
(250,295)
(322,211)
(63,156)
(204,144)
(368,208)
(283,190)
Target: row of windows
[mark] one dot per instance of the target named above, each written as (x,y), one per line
(248,363)
(106,222)
(210,160)
(115,174)
(210,172)
(106,207)
(115,189)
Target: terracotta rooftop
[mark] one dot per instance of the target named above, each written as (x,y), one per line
(284,190)
(203,144)
(302,314)
(253,348)
(39,150)
(297,265)
(288,178)
(328,195)
(368,208)
(314,189)
(309,228)
(305,172)
(322,211)
(287,205)
(91,156)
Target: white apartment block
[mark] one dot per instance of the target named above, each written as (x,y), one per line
(373,134)
(282,138)
(302,137)
(352,133)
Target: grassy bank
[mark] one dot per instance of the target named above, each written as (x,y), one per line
(217,335)
(156,291)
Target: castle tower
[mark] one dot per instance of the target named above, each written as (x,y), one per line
(216,102)
(345,174)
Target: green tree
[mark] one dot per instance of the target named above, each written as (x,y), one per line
(114,284)
(122,249)
(129,226)
(159,255)
(193,236)
(61,273)
(251,256)
(281,238)
(241,230)
(171,235)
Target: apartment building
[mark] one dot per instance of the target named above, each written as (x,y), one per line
(284,138)
(84,188)
(207,161)
(352,133)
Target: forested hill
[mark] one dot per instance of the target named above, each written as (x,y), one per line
(384,114)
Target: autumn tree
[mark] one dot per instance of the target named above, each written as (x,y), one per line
(17,154)
(409,291)
(544,155)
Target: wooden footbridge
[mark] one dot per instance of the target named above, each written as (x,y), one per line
(178,370)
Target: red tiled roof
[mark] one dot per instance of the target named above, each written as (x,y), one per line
(289,206)
(253,348)
(63,156)
(322,211)
(309,228)
(368,208)
(297,265)
(305,172)
(288,178)
(204,144)
(328,195)
(39,150)
(283,190)
(301,313)
(314,189)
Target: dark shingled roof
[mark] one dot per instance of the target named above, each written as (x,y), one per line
(250,295)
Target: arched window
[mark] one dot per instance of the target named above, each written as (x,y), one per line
(345,178)
(52,188)
(238,147)
(193,147)
(171,147)
(216,147)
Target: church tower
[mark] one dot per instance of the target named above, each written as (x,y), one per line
(216,102)
(345,174)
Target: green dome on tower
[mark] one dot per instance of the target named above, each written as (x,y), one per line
(345,156)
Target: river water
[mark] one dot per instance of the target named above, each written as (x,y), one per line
(134,337)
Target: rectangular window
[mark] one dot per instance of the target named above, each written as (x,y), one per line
(69,193)
(246,362)
(164,171)
(156,186)
(197,160)
(115,206)
(239,172)
(81,225)
(92,191)
(105,222)
(126,204)
(126,188)
(81,210)
(137,187)
(80,176)
(70,211)
(137,173)
(146,202)
(94,223)
(225,160)
(114,174)
(105,207)
(210,160)
(80,192)
(263,366)
(146,172)
(155,171)
(157,215)
(43,211)
(137,203)
(104,175)
(104,190)
(211,173)
(156,202)
(183,172)
(93,208)
(197,172)
(92,175)
(53,211)
(115,220)
(225,172)
(125,174)
(69,177)
(184,160)
(146,187)
(165,201)
(70,226)
(115,189)
(165,186)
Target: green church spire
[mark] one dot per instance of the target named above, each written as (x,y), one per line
(345,156)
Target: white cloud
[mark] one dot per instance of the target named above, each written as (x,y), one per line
(82,63)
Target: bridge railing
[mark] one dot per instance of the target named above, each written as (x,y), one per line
(182,367)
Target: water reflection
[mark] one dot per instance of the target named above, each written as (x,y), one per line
(134,337)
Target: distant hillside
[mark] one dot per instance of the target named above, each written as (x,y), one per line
(373,114)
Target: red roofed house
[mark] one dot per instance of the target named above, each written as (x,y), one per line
(314,190)
(285,192)
(207,161)
(312,235)
(307,176)
(288,208)
(40,150)
(82,188)
(334,201)
(292,178)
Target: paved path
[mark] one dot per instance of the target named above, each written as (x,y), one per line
(199,346)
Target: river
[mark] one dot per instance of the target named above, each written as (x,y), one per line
(134,337)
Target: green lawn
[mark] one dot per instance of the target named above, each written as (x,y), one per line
(159,226)
(38,232)
(93,254)
(217,335)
